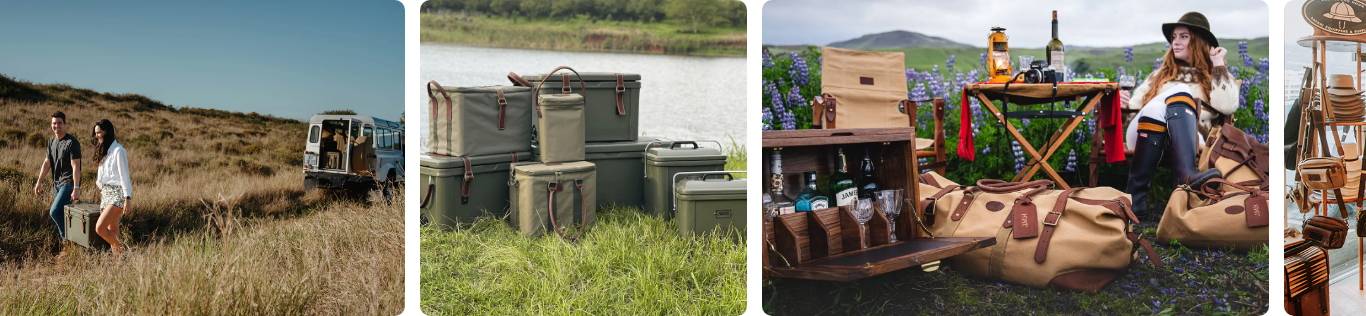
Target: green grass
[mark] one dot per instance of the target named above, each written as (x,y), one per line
(628,263)
(581,34)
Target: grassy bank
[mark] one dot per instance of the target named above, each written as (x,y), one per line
(345,258)
(177,156)
(1201,282)
(628,263)
(582,34)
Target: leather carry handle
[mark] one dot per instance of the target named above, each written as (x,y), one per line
(583,89)
(518,80)
(1002,186)
(502,108)
(621,93)
(434,102)
(557,186)
(465,184)
(427,197)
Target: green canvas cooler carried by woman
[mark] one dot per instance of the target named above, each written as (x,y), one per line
(80,225)
(712,204)
(553,196)
(621,170)
(477,121)
(613,109)
(459,189)
(662,162)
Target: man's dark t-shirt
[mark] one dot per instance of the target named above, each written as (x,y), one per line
(60,152)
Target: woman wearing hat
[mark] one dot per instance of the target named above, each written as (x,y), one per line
(1177,102)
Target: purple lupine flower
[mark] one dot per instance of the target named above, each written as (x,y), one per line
(799,73)
(789,121)
(910,74)
(768,60)
(949,63)
(795,98)
(1264,66)
(1157,63)
(1129,54)
(767,119)
(1071,161)
(776,98)
(984,60)
(918,93)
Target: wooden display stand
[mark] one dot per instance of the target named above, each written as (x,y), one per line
(826,244)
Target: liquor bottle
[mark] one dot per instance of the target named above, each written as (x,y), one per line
(842,189)
(782,204)
(866,184)
(811,198)
(1054,50)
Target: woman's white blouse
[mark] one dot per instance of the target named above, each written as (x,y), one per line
(114,170)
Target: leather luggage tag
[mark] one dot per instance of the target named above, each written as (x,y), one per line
(1022,217)
(1256,208)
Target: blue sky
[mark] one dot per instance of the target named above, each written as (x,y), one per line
(285,58)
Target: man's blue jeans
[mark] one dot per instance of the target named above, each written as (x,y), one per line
(59,203)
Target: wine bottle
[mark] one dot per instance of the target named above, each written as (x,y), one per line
(842,188)
(782,204)
(1054,50)
(866,184)
(811,198)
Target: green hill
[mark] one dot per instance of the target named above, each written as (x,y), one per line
(896,39)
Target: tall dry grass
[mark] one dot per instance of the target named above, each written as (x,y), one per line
(177,157)
(345,259)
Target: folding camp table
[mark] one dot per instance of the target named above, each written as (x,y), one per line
(1021,94)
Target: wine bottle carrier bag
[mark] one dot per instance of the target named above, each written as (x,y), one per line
(559,129)
(1329,232)
(460,189)
(1306,278)
(553,196)
(1075,239)
(1217,218)
(80,225)
(478,121)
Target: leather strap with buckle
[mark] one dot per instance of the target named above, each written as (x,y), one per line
(502,108)
(621,93)
(465,184)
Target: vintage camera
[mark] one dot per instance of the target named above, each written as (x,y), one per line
(1040,72)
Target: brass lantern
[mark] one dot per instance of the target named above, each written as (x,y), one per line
(999,65)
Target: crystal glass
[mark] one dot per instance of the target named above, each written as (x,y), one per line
(1127,82)
(1025,61)
(889,201)
(863,211)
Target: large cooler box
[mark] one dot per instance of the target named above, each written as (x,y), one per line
(613,109)
(621,170)
(80,225)
(661,163)
(445,203)
(478,121)
(714,204)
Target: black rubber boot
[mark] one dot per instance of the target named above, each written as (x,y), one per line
(1184,139)
(1147,154)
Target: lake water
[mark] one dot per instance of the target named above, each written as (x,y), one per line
(681,97)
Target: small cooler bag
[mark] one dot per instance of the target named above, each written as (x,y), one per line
(661,163)
(553,196)
(80,225)
(714,204)
(459,189)
(468,122)
(559,124)
(613,108)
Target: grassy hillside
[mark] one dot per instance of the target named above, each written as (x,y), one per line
(194,172)
(925,58)
(581,34)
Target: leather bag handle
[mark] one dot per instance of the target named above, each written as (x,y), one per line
(1002,186)
(557,186)
(518,80)
(537,92)
(434,102)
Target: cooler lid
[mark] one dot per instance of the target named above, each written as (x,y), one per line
(713,184)
(447,162)
(587,77)
(685,151)
(537,169)
(637,146)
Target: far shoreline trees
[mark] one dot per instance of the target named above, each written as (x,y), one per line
(695,15)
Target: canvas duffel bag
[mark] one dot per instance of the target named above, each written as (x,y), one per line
(1238,157)
(559,124)
(861,89)
(1306,279)
(1217,218)
(478,121)
(544,196)
(1075,239)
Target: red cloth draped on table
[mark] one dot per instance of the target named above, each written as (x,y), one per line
(1108,113)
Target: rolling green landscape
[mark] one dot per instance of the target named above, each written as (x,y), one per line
(676,27)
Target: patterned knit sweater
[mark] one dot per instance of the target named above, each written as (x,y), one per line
(1223,96)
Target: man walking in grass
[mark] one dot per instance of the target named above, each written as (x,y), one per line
(63,159)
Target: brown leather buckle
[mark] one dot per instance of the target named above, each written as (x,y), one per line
(564,83)
(1055,217)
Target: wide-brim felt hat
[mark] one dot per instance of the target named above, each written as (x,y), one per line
(1196,23)
(1344,99)
(1341,85)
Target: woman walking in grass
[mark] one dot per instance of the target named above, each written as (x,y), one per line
(116,190)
